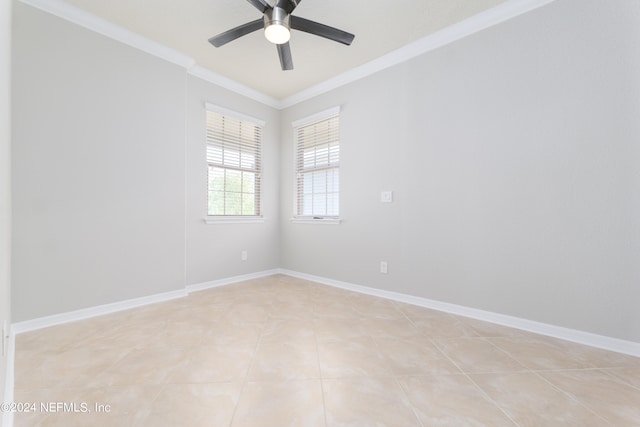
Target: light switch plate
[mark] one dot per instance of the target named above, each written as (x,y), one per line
(386,196)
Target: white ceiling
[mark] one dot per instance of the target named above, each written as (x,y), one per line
(380,28)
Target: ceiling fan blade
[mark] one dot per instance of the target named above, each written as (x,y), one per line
(234,33)
(321,30)
(261,5)
(288,5)
(284,53)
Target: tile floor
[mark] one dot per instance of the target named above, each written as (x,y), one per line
(280,351)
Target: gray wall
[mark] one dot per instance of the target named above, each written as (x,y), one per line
(513,156)
(214,250)
(98,169)
(5,177)
(109,174)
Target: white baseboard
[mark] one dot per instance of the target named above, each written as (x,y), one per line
(581,337)
(86,313)
(228,281)
(7,416)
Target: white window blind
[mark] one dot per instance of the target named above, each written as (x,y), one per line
(234,164)
(318,167)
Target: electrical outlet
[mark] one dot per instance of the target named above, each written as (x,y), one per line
(244,255)
(383,267)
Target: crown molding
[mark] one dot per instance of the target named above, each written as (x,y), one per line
(494,16)
(234,86)
(107,28)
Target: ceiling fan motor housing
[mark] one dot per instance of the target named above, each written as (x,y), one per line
(276,16)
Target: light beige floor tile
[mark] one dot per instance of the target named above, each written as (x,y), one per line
(285,361)
(79,419)
(152,313)
(380,312)
(630,376)
(607,396)
(56,338)
(330,294)
(252,311)
(415,312)
(444,326)
(328,328)
(354,357)
(414,357)
(298,309)
(368,306)
(123,334)
(226,296)
(182,334)
(196,358)
(226,333)
(599,358)
(531,401)
(335,309)
(288,330)
(477,355)
(64,369)
(486,329)
(294,294)
(141,366)
(392,328)
(452,400)
(194,405)
(208,364)
(121,406)
(39,412)
(201,314)
(541,353)
(291,403)
(223,296)
(367,401)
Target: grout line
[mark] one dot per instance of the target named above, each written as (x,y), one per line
(491,400)
(474,383)
(246,377)
(321,376)
(488,339)
(408,399)
(571,396)
(462,372)
(624,381)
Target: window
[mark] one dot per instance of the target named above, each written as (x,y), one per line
(317,158)
(234,164)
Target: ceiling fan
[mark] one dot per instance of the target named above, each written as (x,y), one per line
(278,23)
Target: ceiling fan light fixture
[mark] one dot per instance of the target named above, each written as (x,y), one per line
(276,25)
(277,33)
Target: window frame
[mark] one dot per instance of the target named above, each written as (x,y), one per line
(307,121)
(229,219)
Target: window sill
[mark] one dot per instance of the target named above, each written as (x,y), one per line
(234,220)
(324,221)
